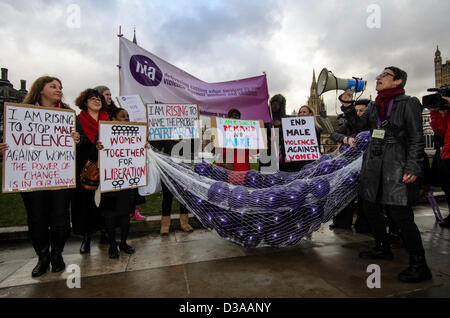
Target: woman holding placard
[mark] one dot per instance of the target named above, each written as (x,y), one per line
(117,206)
(47,210)
(86,218)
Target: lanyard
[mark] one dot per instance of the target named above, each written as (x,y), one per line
(388,114)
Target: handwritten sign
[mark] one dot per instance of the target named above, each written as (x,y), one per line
(41,154)
(172,121)
(134,106)
(238,134)
(300,140)
(122,161)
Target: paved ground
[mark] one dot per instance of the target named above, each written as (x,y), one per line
(202,264)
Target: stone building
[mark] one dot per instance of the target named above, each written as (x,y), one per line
(9,94)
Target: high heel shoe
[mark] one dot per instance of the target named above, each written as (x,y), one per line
(85,244)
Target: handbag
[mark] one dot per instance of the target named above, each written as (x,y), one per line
(90,176)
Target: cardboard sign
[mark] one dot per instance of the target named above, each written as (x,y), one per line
(238,134)
(135,107)
(123,159)
(41,154)
(172,121)
(300,140)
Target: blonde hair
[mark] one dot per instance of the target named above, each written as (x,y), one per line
(34,95)
(316,123)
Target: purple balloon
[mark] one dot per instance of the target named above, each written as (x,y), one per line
(224,223)
(320,187)
(276,227)
(238,197)
(325,167)
(273,198)
(325,158)
(272,180)
(254,179)
(294,197)
(220,174)
(362,140)
(351,180)
(341,163)
(218,192)
(203,168)
(256,198)
(300,185)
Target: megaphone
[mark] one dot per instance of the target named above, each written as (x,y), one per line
(327,82)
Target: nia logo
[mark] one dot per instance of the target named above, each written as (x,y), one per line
(145,71)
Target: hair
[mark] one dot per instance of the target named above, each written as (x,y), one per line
(364,102)
(316,123)
(34,95)
(101,89)
(398,74)
(116,111)
(81,100)
(233,110)
(282,101)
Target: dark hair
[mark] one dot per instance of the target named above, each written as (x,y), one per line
(116,111)
(233,110)
(282,101)
(81,100)
(362,102)
(398,74)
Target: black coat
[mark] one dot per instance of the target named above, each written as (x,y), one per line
(401,152)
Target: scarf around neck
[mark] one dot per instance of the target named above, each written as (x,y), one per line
(90,125)
(384,97)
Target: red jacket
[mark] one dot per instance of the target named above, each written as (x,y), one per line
(440,125)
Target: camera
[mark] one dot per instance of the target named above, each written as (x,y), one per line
(436,100)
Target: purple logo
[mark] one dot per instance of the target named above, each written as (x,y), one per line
(145,71)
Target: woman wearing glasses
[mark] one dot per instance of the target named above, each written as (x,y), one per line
(86,217)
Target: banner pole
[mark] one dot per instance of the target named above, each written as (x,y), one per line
(118,65)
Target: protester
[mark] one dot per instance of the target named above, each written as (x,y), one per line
(166,147)
(47,210)
(390,167)
(235,160)
(86,217)
(346,135)
(117,206)
(277,107)
(110,106)
(440,121)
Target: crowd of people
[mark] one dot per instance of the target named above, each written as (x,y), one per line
(391,168)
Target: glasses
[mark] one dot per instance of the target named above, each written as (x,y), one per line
(95,99)
(384,74)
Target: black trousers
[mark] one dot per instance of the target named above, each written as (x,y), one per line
(167,202)
(403,217)
(48,218)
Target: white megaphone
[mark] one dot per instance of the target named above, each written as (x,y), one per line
(327,82)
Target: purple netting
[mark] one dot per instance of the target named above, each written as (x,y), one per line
(256,210)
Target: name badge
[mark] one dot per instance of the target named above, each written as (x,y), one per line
(378,133)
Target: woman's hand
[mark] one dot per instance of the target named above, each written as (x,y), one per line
(349,140)
(99,145)
(3,148)
(409,178)
(346,96)
(277,123)
(76,136)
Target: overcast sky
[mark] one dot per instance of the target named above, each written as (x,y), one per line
(225,40)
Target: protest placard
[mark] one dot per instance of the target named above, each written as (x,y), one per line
(300,140)
(41,154)
(238,134)
(123,159)
(173,121)
(134,106)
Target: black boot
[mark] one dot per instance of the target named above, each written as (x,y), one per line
(43,263)
(380,251)
(86,244)
(57,240)
(113,251)
(124,247)
(417,270)
(104,239)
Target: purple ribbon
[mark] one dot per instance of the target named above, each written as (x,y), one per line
(434,206)
(388,113)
